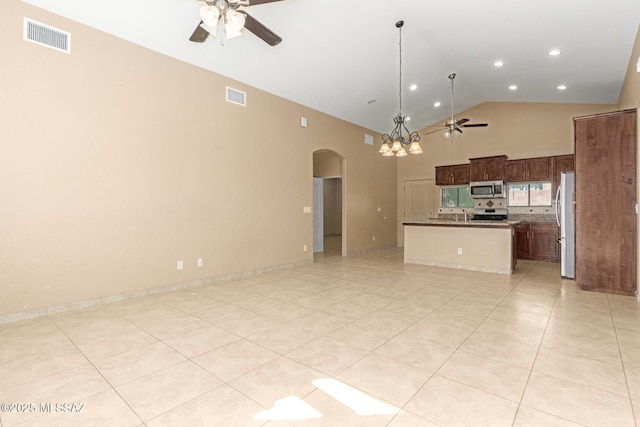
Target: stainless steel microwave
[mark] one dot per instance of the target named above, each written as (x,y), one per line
(488,190)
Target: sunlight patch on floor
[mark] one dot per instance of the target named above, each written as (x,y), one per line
(359,402)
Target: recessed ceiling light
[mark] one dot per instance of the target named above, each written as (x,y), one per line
(561,87)
(553,52)
(413,87)
(437,104)
(498,64)
(513,87)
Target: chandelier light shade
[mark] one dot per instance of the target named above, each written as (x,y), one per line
(393,143)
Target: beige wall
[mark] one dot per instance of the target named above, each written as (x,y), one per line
(327,164)
(630,93)
(116,161)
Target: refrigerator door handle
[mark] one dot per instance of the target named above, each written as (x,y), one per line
(558,206)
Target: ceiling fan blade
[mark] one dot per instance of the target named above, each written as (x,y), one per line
(255,2)
(433,131)
(260,30)
(458,129)
(461,121)
(199,35)
(476,125)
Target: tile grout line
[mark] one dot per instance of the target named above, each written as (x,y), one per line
(624,368)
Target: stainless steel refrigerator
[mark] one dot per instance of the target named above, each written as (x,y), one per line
(566,222)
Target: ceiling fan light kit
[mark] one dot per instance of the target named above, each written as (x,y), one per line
(210,15)
(452,127)
(394,142)
(222,20)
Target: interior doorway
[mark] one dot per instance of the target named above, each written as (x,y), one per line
(329,234)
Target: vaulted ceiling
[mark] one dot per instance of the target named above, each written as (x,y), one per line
(341,57)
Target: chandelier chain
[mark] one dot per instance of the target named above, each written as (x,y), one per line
(393,143)
(400,79)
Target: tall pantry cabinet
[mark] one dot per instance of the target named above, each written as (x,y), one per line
(605,202)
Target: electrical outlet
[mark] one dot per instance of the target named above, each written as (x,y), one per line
(304,248)
(180,265)
(374,238)
(459,251)
(199,262)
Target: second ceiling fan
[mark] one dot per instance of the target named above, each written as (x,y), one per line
(452,127)
(221,19)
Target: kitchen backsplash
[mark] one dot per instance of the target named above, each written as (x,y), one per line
(523,213)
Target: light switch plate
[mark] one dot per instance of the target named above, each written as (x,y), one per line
(306,209)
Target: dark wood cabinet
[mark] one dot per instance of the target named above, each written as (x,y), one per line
(561,164)
(523,245)
(487,168)
(544,241)
(538,241)
(532,169)
(452,174)
(605,209)
(515,170)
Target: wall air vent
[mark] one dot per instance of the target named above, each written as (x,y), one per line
(236,96)
(45,35)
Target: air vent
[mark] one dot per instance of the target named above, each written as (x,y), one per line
(45,35)
(236,96)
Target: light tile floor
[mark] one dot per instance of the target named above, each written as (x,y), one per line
(363,340)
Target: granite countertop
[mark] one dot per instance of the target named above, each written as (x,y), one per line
(461,223)
(533,218)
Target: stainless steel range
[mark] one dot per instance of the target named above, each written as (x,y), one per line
(490,214)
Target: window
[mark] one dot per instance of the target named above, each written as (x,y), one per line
(530,194)
(453,197)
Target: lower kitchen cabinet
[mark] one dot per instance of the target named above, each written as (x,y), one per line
(538,241)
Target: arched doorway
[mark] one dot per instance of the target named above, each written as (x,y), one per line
(329,233)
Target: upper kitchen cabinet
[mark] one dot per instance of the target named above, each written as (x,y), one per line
(532,169)
(561,164)
(487,168)
(452,175)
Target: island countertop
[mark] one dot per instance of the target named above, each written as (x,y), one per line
(469,223)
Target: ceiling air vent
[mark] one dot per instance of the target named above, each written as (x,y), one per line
(236,96)
(45,35)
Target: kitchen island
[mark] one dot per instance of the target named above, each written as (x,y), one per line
(469,245)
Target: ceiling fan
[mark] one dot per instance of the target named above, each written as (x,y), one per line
(452,127)
(223,20)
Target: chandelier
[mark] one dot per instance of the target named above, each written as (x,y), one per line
(223,19)
(394,142)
